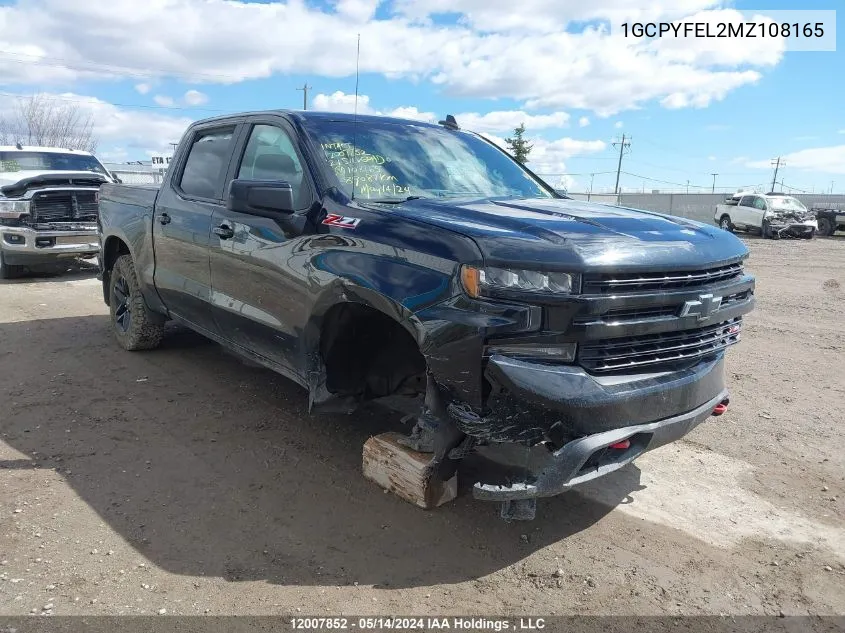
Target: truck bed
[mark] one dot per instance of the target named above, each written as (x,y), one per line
(138,195)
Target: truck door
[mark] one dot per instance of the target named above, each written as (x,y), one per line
(182,225)
(258,271)
(744,211)
(756,212)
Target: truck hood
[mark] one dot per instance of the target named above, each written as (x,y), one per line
(569,234)
(15,183)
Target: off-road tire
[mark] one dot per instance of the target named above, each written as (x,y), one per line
(809,234)
(826,227)
(725,223)
(766,231)
(135,326)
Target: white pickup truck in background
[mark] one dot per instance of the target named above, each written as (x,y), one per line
(48,205)
(772,215)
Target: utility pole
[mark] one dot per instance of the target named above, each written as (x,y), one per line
(713,190)
(590,192)
(687,186)
(173,145)
(305,88)
(622,147)
(831,187)
(776,164)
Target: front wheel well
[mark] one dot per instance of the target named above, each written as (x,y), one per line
(368,354)
(113,248)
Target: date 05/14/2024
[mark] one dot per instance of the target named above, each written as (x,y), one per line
(418,623)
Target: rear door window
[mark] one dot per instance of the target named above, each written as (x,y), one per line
(208,160)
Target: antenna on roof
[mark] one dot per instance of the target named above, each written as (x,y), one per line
(450,123)
(355,116)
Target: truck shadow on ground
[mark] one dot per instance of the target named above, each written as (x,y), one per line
(211,468)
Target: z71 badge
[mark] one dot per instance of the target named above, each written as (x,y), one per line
(344,222)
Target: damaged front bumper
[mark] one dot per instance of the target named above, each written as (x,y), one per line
(593,456)
(783,226)
(577,426)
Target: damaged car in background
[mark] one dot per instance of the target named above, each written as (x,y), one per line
(419,265)
(772,215)
(48,206)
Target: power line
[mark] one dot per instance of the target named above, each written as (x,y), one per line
(776,165)
(622,147)
(304,89)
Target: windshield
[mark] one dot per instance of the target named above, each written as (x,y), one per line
(394,161)
(786,204)
(49,161)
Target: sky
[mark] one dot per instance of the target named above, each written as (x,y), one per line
(689,108)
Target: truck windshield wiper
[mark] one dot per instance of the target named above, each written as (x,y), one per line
(396,200)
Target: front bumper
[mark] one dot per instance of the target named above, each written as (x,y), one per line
(549,426)
(791,227)
(24,245)
(579,461)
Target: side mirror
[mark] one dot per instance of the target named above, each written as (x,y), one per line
(266,198)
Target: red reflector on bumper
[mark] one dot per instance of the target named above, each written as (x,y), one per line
(622,445)
(720,409)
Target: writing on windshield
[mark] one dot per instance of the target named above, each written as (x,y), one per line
(354,164)
(396,160)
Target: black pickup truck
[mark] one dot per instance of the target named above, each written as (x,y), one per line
(372,258)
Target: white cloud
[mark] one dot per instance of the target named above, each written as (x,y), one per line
(163,100)
(842,131)
(358,10)
(583,121)
(494,50)
(341,102)
(195,97)
(711,157)
(134,132)
(829,160)
(505,15)
(619,125)
(143,88)
(496,121)
(508,120)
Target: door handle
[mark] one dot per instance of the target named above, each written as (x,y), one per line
(224,231)
(164,219)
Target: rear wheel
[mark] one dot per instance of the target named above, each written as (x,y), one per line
(134,325)
(826,227)
(725,223)
(767,232)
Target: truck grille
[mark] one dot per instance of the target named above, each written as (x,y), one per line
(64,206)
(643,352)
(612,283)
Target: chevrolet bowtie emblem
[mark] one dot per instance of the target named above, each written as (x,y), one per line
(704,307)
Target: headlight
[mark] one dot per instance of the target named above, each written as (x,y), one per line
(13,209)
(479,282)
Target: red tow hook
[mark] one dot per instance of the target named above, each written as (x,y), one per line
(721,407)
(621,445)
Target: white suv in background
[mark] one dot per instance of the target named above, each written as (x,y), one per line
(772,215)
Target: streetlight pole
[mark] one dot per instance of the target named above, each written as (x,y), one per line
(713,189)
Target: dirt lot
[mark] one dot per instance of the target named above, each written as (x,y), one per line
(183,480)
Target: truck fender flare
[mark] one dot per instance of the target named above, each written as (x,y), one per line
(349,292)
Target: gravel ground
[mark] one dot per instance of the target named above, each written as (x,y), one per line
(182,481)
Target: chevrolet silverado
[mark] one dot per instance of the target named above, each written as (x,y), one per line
(418,264)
